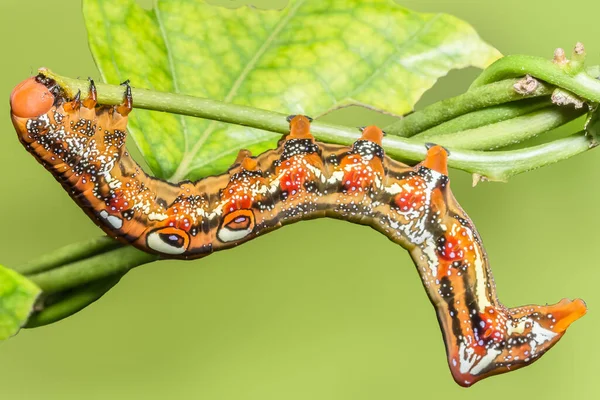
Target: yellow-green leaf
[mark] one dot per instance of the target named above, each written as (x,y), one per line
(17,297)
(310,57)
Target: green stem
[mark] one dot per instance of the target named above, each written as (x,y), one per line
(487,116)
(501,165)
(72,302)
(181,104)
(507,132)
(68,254)
(110,262)
(486,96)
(580,83)
(396,147)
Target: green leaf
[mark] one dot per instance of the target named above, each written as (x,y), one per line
(17,297)
(311,57)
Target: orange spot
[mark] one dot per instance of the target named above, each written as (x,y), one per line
(408,201)
(437,159)
(300,128)
(30,99)
(451,249)
(293,180)
(118,203)
(249,164)
(373,134)
(566,312)
(491,328)
(178,218)
(239,198)
(242,154)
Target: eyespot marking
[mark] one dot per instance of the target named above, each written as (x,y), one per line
(236,225)
(168,241)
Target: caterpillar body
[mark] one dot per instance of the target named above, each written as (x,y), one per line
(83,145)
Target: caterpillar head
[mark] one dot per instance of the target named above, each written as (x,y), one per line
(30,99)
(168,240)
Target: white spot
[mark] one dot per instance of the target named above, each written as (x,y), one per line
(113,221)
(154,216)
(229,235)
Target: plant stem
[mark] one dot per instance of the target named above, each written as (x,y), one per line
(484,164)
(475,99)
(487,116)
(111,262)
(501,165)
(580,83)
(68,254)
(72,302)
(507,132)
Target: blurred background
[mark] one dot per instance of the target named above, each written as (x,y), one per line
(348,319)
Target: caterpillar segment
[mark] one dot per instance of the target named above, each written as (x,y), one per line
(83,145)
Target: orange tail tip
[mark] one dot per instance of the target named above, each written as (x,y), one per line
(30,98)
(566,312)
(373,134)
(510,339)
(299,127)
(436,159)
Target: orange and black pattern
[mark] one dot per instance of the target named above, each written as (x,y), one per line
(83,145)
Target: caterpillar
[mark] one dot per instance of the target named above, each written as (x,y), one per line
(82,144)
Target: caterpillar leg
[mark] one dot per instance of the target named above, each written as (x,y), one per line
(74,104)
(125,108)
(92,99)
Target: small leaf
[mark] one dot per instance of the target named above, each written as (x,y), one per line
(311,57)
(17,297)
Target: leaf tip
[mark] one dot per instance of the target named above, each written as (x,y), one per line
(17,299)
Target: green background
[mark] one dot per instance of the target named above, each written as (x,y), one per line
(343,318)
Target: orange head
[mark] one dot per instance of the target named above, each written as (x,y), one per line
(30,98)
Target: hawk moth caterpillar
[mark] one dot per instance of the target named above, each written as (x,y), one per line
(82,144)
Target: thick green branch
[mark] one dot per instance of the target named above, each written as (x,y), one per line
(83,271)
(575,80)
(487,116)
(490,95)
(68,254)
(67,304)
(504,133)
